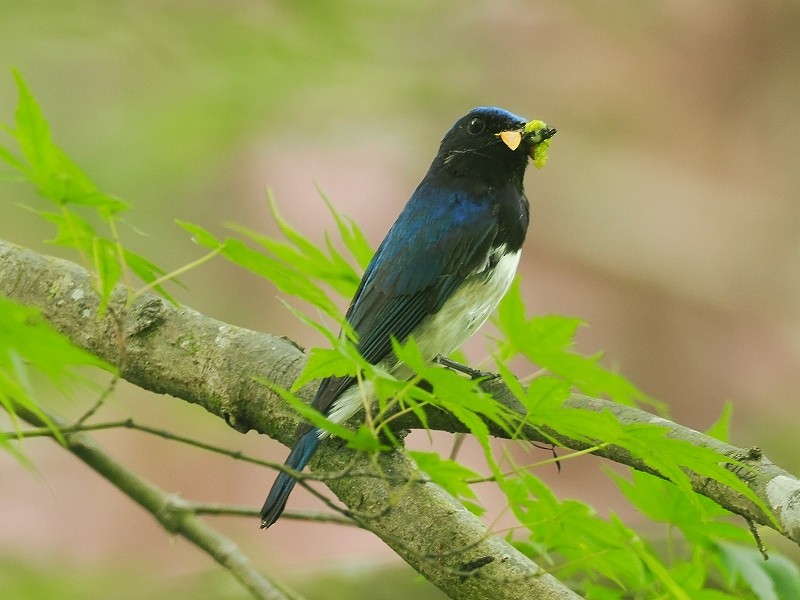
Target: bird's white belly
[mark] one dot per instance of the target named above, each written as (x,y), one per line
(443,332)
(466,310)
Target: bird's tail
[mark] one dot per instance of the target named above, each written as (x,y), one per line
(298,458)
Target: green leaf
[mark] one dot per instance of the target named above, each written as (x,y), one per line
(549,346)
(543,395)
(107,268)
(544,400)
(366,440)
(200,235)
(331,336)
(699,518)
(325,362)
(353,237)
(72,230)
(284,277)
(748,565)
(390,391)
(457,394)
(61,181)
(307,261)
(8,157)
(28,344)
(309,413)
(785,575)
(573,531)
(660,572)
(106,204)
(32,131)
(721,429)
(690,574)
(670,456)
(303,256)
(446,473)
(707,594)
(56,177)
(511,313)
(146,271)
(548,342)
(596,591)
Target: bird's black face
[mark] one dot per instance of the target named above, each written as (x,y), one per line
(490,144)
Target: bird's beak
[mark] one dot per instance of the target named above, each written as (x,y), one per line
(512,139)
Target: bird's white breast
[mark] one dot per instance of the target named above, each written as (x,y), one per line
(443,332)
(467,309)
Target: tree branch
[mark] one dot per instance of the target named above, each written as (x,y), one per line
(175,515)
(177,351)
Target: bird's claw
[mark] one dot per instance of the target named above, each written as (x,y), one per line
(462,368)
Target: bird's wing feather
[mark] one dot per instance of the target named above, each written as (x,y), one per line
(441,237)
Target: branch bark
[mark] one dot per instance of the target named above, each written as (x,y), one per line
(177,351)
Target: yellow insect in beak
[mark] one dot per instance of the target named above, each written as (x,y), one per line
(540,134)
(512,139)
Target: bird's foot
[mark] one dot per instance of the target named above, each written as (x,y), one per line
(461,368)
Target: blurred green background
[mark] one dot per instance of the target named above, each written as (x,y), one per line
(668,218)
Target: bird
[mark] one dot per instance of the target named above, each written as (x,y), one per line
(442,268)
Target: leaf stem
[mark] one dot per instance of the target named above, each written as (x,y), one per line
(179,271)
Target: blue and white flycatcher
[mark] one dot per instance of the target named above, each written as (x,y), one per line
(442,268)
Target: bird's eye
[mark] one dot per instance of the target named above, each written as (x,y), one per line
(475,126)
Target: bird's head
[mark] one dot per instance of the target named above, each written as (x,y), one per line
(493,144)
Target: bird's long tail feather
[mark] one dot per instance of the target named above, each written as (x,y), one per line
(298,458)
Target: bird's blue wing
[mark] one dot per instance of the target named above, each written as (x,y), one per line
(437,241)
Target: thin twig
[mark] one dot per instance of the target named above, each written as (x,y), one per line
(540,463)
(232,510)
(167,509)
(107,391)
(179,271)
